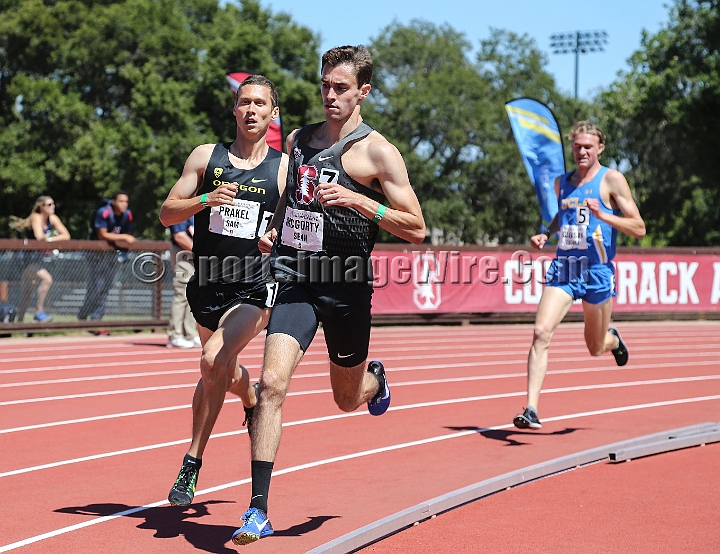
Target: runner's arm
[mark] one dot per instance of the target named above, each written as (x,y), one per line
(266,241)
(404,217)
(538,241)
(183,201)
(631,223)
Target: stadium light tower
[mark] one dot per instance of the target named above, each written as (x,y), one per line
(578,42)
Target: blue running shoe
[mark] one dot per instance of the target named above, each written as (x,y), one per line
(256,525)
(42,317)
(379,403)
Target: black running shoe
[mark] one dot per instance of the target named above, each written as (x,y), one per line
(249,411)
(527,420)
(621,352)
(183,491)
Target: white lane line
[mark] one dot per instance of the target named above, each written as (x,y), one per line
(654,355)
(107,355)
(93,394)
(327,461)
(389,370)
(99,378)
(195,359)
(471,349)
(482,334)
(397,408)
(373,354)
(315,391)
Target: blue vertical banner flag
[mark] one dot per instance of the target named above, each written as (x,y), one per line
(538,137)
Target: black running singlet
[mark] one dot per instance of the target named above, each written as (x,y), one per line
(327,230)
(233,231)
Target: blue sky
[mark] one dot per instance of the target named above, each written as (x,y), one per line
(342,23)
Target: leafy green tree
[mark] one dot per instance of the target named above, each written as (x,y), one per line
(665,112)
(100,96)
(445,113)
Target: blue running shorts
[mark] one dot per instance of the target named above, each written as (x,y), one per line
(594,284)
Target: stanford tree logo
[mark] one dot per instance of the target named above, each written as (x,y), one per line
(307,181)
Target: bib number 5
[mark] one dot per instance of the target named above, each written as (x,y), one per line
(582,216)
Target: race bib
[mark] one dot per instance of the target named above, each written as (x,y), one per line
(582,215)
(238,220)
(303,230)
(264,222)
(573,237)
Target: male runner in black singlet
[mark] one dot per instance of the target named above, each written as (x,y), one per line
(341,175)
(232,190)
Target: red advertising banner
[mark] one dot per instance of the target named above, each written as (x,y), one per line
(416,282)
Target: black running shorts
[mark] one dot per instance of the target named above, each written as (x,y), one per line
(210,302)
(344,311)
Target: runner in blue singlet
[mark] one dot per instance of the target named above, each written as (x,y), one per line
(594,203)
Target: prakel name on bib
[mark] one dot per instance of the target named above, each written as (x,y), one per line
(238,220)
(303,230)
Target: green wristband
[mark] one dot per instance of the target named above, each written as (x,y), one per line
(203,200)
(380,213)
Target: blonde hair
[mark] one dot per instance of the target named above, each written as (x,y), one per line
(588,128)
(20,224)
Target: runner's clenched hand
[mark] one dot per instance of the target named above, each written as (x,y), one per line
(224,194)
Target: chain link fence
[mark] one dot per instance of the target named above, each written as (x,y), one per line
(79,284)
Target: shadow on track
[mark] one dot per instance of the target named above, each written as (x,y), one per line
(506,435)
(170,522)
(313,523)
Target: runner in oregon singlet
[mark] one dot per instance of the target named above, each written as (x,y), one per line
(224,231)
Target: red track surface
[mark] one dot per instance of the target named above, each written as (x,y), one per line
(94,427)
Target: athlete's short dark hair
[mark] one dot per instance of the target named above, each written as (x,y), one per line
(263,82)
(118,193)
(357,57)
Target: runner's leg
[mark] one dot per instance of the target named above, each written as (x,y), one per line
(282,354)
(554,304)
(218,366)
(597,321)
(352,386)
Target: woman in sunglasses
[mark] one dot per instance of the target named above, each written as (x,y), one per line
(42,224)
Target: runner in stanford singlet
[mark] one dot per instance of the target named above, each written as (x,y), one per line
(344,181)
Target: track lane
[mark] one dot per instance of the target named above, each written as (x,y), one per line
(159,466)
(304,494)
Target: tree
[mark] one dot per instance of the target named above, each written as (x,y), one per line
(100,96)
(445,113)
(665,111)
